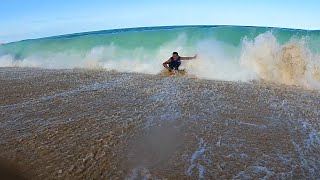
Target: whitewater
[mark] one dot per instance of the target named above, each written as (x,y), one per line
(96,105)
(232,53)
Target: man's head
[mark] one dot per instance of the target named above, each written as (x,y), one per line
(175,55)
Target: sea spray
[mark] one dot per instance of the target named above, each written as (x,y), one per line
(229,53)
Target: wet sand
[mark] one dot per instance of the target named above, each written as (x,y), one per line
(95,124)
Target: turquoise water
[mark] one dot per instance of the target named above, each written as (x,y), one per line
(225,52)
(151,38)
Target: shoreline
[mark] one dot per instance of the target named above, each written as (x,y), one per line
(102,124)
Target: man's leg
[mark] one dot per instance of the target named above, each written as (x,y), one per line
(171,66)
(177,66)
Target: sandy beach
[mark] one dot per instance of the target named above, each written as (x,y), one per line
(96,124)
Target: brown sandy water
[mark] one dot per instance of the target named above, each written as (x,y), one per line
(91,124)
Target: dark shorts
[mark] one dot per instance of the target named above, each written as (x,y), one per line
(174,65)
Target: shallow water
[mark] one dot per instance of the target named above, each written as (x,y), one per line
(86,124)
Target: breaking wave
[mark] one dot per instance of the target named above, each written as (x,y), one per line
(229,53)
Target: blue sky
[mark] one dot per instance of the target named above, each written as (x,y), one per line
(24,19)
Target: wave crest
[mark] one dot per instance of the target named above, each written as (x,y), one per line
(262,57)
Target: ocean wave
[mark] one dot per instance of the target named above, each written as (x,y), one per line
(225,53)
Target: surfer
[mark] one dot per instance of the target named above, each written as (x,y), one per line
(175,61)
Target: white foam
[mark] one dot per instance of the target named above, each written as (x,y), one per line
(219,141)
(253,171)
(195,161)
(261,58)
(313,136)
(291,63)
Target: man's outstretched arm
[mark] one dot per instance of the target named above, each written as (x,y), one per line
(165,64)
(188,58)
